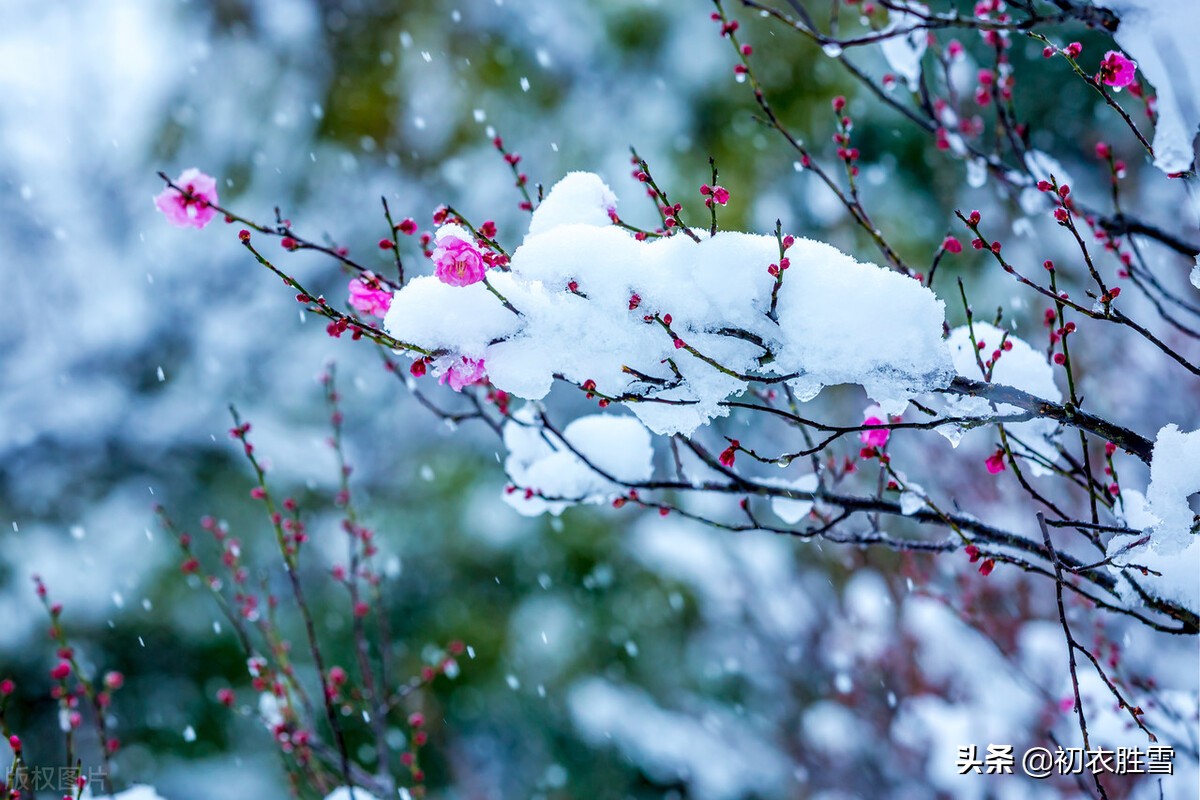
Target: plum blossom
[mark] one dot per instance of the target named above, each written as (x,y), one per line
(1117,70)
(995,462)
(876,437)
(458,262)
(194,205)
(368,297)
(718,194)
(463,372)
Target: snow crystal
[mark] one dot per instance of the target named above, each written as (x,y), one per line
(1196,273)
(904,52)
(838,320)
(615,446)
(1161,36)
(1022,368)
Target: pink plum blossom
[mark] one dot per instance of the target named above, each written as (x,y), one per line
(458,262)
(995,462)
(195,207)
(876,437)
(1117,70)
(368,297)
(464,372)
(717,194)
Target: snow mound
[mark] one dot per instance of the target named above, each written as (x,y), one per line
(1022,368)
(1161,36)
(544,464)
(673,326)
(1168,542)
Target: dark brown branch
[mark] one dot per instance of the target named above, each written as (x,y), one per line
(1065,414)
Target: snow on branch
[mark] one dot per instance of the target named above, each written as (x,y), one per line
(671,326)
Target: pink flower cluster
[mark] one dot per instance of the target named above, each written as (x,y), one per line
(194,206)
(717,194)
(463,373)
(1117,70)
(875,437)
(367,295)
(458,262)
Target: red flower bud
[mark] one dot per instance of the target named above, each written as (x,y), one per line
(729,454)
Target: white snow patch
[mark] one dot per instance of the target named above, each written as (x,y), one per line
(904,52)
(839,321)
(1161,36)
(1168,542)
(611,445)
(580,198)
(789,510)
(1174,476)
(1020,367)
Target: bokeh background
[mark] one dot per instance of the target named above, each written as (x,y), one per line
(614,655)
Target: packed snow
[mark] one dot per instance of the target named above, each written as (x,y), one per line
(1168,542)
(788,509)
(538,461)
(677,325)
(1020,367)
(1161,36)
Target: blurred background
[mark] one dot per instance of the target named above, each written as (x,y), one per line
(613,655)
